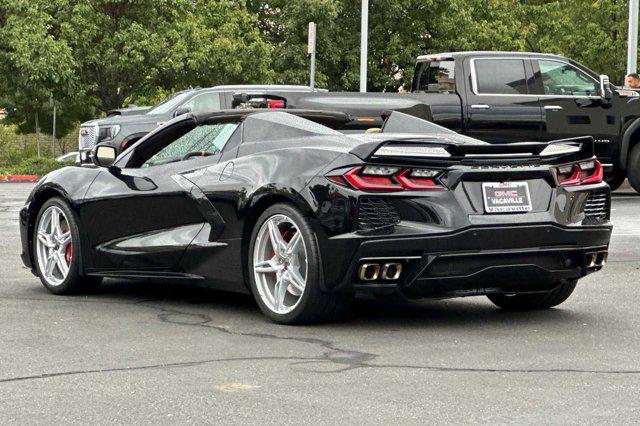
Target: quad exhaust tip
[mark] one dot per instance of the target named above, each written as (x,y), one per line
(596,259)
(389,271)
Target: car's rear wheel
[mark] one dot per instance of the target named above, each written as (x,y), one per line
(524,302)
(56,249)
(285,270)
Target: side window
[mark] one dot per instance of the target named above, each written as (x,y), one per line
(204,102)
(207,139)
(559,78)
(500,77)
(436,76)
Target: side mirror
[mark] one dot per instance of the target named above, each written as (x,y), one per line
(181,110)
(103,155)
(605,87)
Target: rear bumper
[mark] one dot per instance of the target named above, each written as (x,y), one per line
(474,260)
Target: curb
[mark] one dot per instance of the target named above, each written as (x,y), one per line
(19,178)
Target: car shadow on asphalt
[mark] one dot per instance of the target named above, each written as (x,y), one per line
(380,312)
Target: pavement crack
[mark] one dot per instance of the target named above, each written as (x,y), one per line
(134,368)
(346,359)
(342,359)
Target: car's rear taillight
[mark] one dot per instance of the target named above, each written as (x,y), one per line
(583,173)
(385,178)
(413,180)
(590,172)
(275,103)
(359,179)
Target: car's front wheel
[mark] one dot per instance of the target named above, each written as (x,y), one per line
(285,270)
(524,302)
(56,249)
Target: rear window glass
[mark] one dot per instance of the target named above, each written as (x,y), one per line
(501,77)
(435,76)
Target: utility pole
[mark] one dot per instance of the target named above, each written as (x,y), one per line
(632,45)
(38,132)
(364,35)
(52,102)
(311,50)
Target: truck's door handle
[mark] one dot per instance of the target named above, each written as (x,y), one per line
(553,107)
(480,106)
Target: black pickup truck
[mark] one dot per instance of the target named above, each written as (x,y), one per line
(492,96)
(512,97)
(508,96)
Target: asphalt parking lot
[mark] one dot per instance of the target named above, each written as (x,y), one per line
(151,353)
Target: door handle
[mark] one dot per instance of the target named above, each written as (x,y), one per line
(480,106)
(553,107)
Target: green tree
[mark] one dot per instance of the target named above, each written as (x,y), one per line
(131,50)
(34,65)
(101,54)
(593,32)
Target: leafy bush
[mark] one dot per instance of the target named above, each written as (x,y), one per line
(33,166)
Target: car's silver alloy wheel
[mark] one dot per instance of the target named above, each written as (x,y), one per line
(280,264)
(54,246)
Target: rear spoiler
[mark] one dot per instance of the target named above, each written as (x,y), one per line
(445,150)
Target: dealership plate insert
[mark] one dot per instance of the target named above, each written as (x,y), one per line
(506,197)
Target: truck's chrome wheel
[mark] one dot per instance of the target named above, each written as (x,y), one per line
(54,246)
(280,264)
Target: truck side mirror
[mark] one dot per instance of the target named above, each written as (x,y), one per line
(181,110)
(605,87)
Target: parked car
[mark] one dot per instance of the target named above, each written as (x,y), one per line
(502,97)
(302,216)
(124,127)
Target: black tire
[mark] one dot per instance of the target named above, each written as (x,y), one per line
(527,302)
(315,305)
(615,179)
(74,283)
(633,167)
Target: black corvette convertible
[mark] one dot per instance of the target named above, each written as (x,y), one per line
(286,207)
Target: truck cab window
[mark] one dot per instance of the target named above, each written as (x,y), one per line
(435,77)
(500,77)
(559,78)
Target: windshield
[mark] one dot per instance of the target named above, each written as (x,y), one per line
(167,105)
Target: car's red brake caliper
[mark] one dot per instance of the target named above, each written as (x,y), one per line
(286,235)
